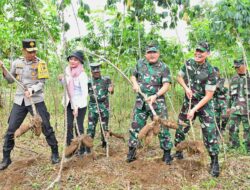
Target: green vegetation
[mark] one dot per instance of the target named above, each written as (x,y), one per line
(121,39)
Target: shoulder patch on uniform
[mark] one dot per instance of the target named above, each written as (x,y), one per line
(43,72)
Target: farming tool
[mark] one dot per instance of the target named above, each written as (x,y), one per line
(36,121)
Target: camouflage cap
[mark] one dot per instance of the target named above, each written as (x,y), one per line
(95,67)
(203,46)
(238,63)
(29,45)
(152,46)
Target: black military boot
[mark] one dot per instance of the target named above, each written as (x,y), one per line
(131,154)
(55,155)
(214,166)
(87,150)
(6,160)
(167,158)
(104,144)
(179,155)
(81,151)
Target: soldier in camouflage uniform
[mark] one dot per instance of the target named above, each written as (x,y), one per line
(100,86)
(239,91)
(31,72)
(220,102)
(153,78)
(198,79)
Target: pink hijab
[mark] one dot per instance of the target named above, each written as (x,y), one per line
(74,73)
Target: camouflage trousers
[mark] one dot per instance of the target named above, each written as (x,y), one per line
(93,118)
(221,119)
(221,114)
(140,116)
(208,126)
(234,124)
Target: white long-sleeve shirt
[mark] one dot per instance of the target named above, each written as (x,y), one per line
(80,97)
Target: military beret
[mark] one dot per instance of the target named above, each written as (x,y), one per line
(95,67)
(29,44)
(78,54)
(203,46)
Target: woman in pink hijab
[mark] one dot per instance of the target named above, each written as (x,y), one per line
(77,93)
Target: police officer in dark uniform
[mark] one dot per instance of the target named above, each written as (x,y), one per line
(31,72)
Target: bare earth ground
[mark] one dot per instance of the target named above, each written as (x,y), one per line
(32,170)
(31,167)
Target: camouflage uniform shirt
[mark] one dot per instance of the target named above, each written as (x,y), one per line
(220,95)
(150,78)
(98,87)
(238,92)
(201,78)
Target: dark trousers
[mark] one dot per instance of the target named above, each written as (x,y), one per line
(18,114)
(70,120)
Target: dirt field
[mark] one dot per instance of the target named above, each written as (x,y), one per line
(31,169)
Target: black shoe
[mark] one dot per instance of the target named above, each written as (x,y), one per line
(5,163)
(87,150)
(131,154)
(167,158)
(179,155)
(55,158)
(214,166)
(104,144)
(55,155)
(80,152)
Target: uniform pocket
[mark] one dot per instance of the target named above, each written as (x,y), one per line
(202,77)
(19,70)
(234,90)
